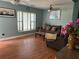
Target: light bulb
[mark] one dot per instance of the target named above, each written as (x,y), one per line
(48,10)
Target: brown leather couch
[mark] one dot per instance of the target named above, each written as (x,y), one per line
(60,40)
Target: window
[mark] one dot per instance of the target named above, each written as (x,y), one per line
(55,15)
(19,21)
(26,21)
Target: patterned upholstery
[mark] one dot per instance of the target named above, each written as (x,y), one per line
(60,41)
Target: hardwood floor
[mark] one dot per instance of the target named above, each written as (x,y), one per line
(25,48)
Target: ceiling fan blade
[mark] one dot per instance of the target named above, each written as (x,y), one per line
(11,0)
(3,0)
(14,1)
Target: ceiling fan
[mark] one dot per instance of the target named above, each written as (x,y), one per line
(52,6)
(13,1)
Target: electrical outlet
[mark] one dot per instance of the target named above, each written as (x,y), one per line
(3,34)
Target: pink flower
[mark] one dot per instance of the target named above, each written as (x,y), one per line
(63,30)
(77,21)
(66,27)
(70,24)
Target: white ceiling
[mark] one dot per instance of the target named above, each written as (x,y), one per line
(44,4)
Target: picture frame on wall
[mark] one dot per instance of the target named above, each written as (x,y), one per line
(55,14)
(7,12)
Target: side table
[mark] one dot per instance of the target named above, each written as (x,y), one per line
(67,53)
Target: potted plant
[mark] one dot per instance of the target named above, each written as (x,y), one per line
(72,29)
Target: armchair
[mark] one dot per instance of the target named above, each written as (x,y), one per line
(53,38)
(42,30)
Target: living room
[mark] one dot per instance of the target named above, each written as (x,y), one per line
(19,23)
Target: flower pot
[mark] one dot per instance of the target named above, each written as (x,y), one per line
(71,41)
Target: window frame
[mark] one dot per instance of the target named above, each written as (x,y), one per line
(27,20)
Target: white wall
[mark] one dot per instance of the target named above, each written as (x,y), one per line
(66,16)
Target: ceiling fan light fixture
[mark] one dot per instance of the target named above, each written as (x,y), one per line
(51,5)
(50,8)
(15,1)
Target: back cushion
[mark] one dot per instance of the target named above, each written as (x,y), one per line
(56,29)
(53,29)
(48,28)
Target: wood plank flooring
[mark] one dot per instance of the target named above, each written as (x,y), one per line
(26,48)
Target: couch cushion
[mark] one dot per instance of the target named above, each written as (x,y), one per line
(53,29)
(51,36)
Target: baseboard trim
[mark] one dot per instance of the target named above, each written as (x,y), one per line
(16,37)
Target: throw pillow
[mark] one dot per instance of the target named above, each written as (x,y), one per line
(50,36)
(47,28)
(53,29)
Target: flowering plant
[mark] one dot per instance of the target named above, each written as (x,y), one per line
(71,27)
